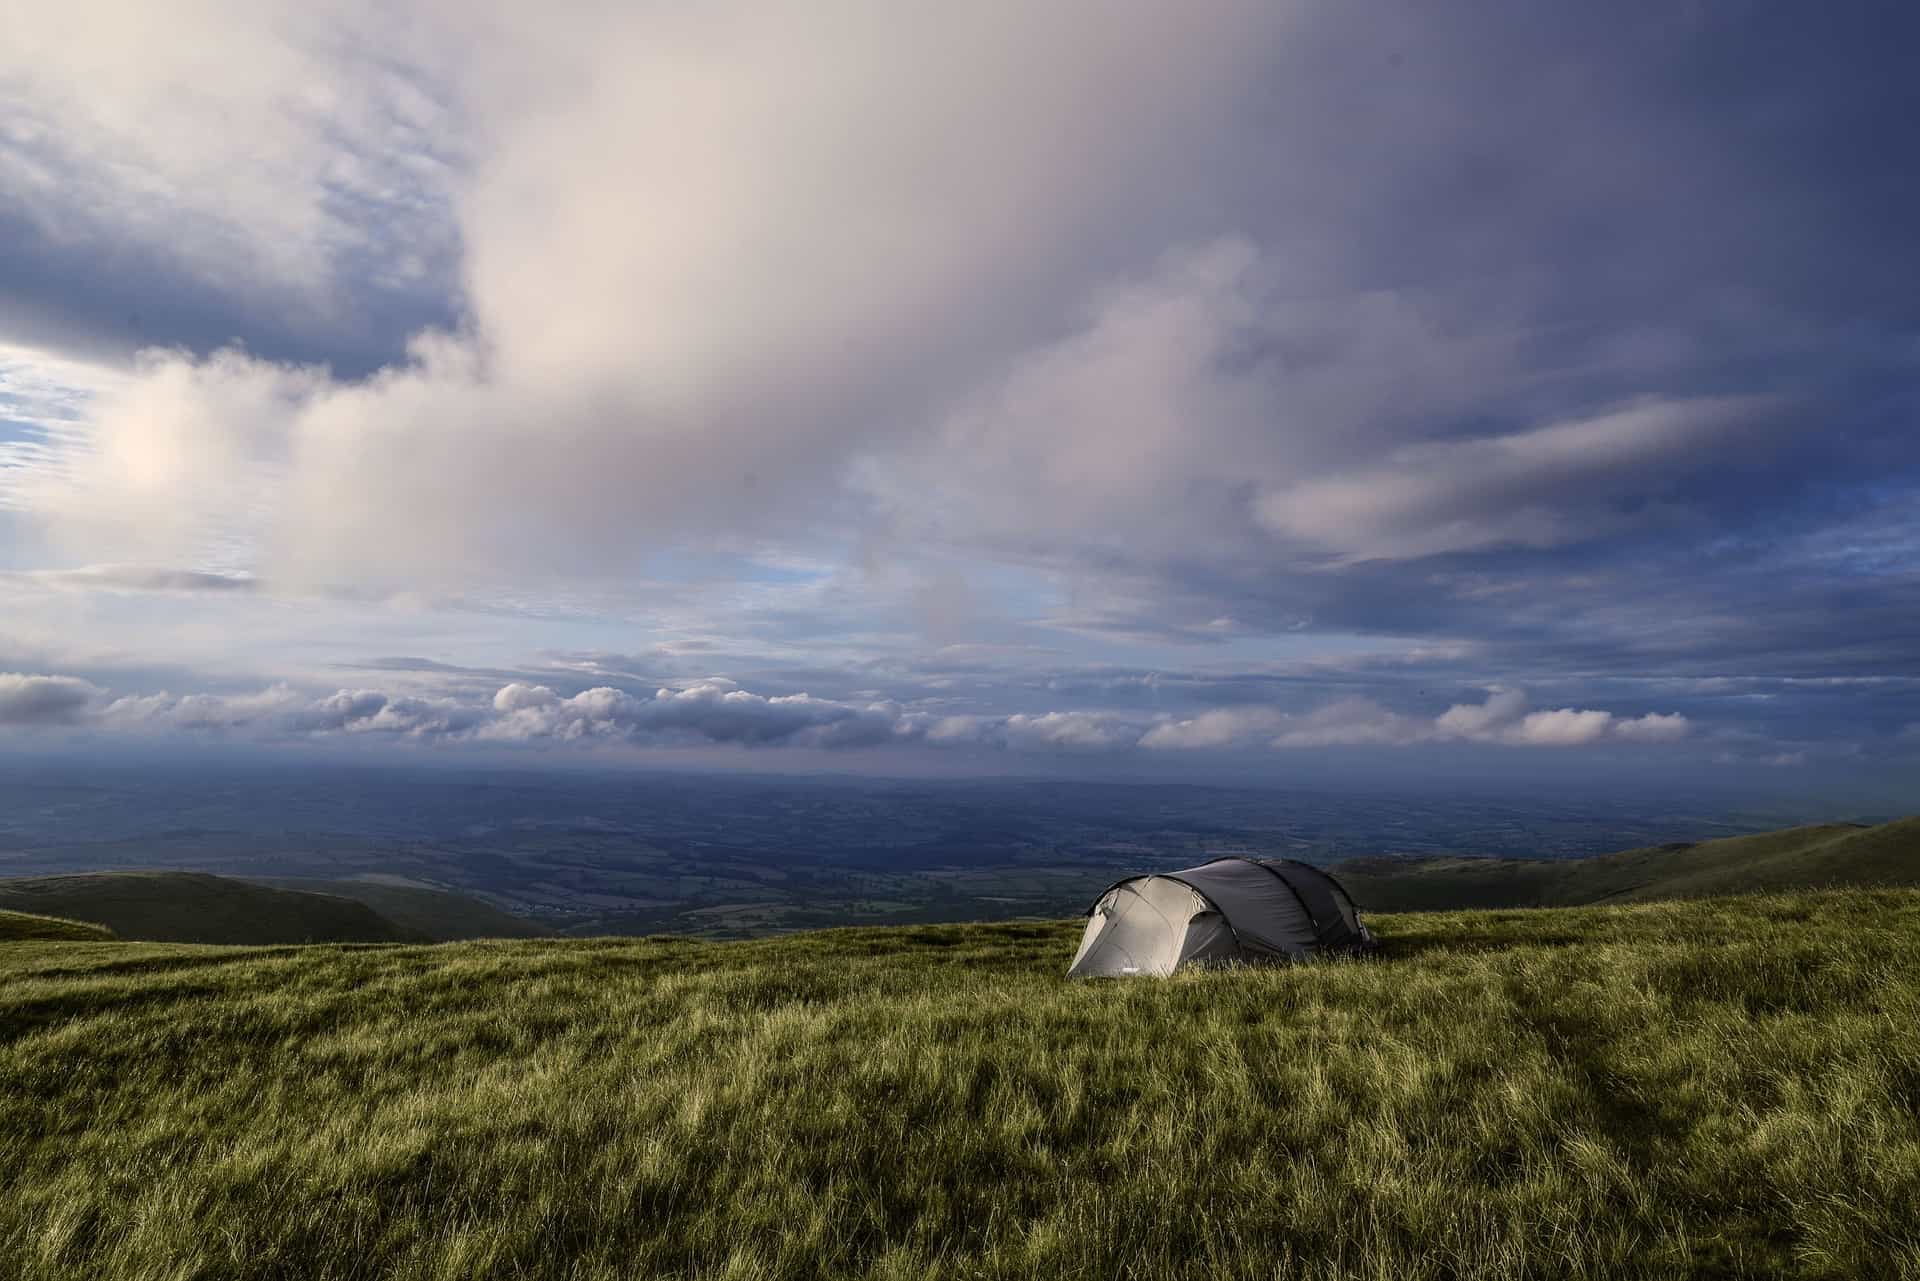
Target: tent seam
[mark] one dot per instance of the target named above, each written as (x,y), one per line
(1319,933)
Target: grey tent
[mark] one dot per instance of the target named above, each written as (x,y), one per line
(1244,910)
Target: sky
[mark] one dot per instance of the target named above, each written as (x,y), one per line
(903,388)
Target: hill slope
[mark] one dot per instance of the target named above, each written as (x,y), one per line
(1725,1088)
(23,925)
(441,915)
(191,907)
(1833,855)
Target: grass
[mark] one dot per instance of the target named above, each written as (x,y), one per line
(27,925)
(1727,1087)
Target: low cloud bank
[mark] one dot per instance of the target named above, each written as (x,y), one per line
(1358,722)
(717,711)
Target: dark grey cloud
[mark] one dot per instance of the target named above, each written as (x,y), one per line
(104,300)
(43,700)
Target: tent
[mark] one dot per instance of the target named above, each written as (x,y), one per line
(1231,910)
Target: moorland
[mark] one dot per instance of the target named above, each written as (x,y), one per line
(1709,1087)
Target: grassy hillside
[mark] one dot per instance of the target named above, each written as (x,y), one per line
(1723,1088)
(1833,855)
(23,925)
(441,915)
(189,907)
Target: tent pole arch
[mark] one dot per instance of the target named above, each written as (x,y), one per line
(1352,908)
(1217,911)
(1335,882)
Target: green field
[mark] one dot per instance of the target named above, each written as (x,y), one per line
(1725,1087)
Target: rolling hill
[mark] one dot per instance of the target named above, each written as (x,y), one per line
(25,925)
(1831,855)
(193,907)
(441,915)
(1724,1087)
(196,907)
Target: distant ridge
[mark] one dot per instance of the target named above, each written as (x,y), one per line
(442,915)
(1832,855)
(17,926)
(193,907)
(196,907)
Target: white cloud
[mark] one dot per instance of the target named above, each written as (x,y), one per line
(1566,727)
(280,711)
(286,158)
(715,710)
(1359,722)
(708,254)
(1504,717)
(1070,731)
(1220,727)
(717,260)
(1469,720)
(1353,722)
(1654,727)
(1076,731)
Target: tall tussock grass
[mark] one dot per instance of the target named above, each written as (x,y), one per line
(1724,1087)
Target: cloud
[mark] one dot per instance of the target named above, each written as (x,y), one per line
(1353,722)
(143,578)
(1541,487)
(717,711)
(280,711)
(1654,727)
(1308,344)
(714,711)
(639,370)
(1073,731)
(1469,720)
(1120,329)
(1221,727)
(1565,727)
(1362,722)
(1504,718)
(279,171)
(203,712)
(43,700)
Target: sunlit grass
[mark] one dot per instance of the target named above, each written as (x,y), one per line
(1726,1087)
